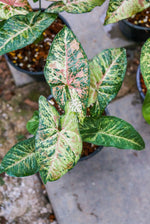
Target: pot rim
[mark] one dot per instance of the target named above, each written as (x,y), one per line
(134,26)
(35,74)
(138,82)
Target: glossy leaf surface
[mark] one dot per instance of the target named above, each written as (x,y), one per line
(107,73)
(10,8)
(145,63)
(58,143)
(20,160)
(33,123)
(74,6)
(67,71)
(111,131)
(122,9)
(21,30)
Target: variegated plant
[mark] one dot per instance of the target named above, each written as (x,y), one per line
(78,85)
(20,27)
(145,70)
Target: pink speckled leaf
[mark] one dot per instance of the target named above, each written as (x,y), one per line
(58,142)
(67,71)
(10,8)
(74,6)
(122,9)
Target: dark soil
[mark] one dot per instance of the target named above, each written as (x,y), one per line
(33,57)
(141,19)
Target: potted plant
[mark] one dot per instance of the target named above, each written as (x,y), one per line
(137,27)
(145,73)
(31,59)
(77,85)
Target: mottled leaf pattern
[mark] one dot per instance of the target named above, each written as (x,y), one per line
(145,70)
(58,143)
(122,9)
(111,131)
(67,71)
(145,63)
(33,123)
(20,160)
(21,30)
(107,73)
(10,8)
(74,6)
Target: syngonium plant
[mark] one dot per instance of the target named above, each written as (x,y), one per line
(77,85)
(145,70)
(20,26)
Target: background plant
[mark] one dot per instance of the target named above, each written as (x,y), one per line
(77,84)
(145,70)
(20,26)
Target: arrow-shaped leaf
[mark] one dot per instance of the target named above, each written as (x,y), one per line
(20,160)
(67,71)
(122,9)
(74,6)
(10,8)
(107,73)
(58,143)
(112,132)
(21,30)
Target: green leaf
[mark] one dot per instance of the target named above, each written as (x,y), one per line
(112,132)
(145,70)
(146,107)
(67,71)
(33,123)
(107,73)
(21,30)
(1,169)
(58,142)
(20,160)
(122,9)
(74,6)
(145,63)
(13,7)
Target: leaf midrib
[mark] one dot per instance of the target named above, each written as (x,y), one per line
(24,158)
(114,136)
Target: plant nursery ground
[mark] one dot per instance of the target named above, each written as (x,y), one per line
(24,200)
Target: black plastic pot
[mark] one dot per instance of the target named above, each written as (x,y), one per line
(134,32)
(37,75)
(99,148)
(138,82)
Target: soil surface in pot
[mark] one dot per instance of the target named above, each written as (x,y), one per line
(88,148)
(33,57)
(141,19)
(144,89)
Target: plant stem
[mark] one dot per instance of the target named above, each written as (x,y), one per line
(40,4)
